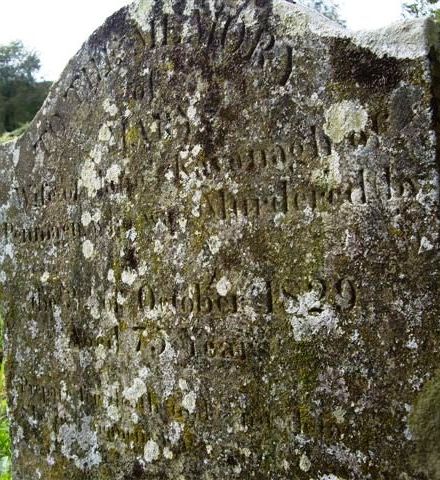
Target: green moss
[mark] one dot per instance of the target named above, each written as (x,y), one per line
(174,409)
(9,136)
(188,437)
(133,136)
(154,399)
(425,427)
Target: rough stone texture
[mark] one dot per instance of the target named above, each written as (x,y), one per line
(220,253)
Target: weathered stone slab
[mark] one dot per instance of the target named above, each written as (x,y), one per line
(220,253)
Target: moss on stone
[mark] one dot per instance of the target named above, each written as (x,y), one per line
(424,425)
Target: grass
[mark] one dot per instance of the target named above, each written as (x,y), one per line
(5,440)
(7,137)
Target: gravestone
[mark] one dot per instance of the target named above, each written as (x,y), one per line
(220,253)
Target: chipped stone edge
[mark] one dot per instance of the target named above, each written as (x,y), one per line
(408,39)
(402,40)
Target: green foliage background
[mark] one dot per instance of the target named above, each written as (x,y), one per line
(21,95)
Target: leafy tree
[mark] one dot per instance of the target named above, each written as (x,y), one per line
(17,63)
(421,8)
(328,8)
(21,95)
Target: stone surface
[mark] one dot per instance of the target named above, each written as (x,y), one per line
(220,253)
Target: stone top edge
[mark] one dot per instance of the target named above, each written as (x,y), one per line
(410,39)
(406,39)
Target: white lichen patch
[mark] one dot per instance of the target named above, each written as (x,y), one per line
(144,373)
(428,193)
(174,433)
(154,126)
(101,355)
(223,286)
(192,115)
(167,6)
(45,277)
(39,157)
(425,245)
(129,277)
(196,199)
(9,250)
(189,402)
(110,108)
(96,216)
(309,316)
(93,305)
(294,19)
(88,249)
(167,360)
(168,454)
(330,477)
(339,415)
(158,247)
(304,463)
(344,118)
(111,276)
(113,173)
(113,413)
(257,287)
(151,451)
(135,392)
(412,344)
(33,329)
(183,384)
(141,11)
(80,444)
(86,219)
(279,219)
(196,150)
(105,134)
(16,156)
(334,172)
(131,234)
(184,154)
(96,153)
(62,351)
(89,178)
(214,244)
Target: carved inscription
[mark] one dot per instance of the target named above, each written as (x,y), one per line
(219,243)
